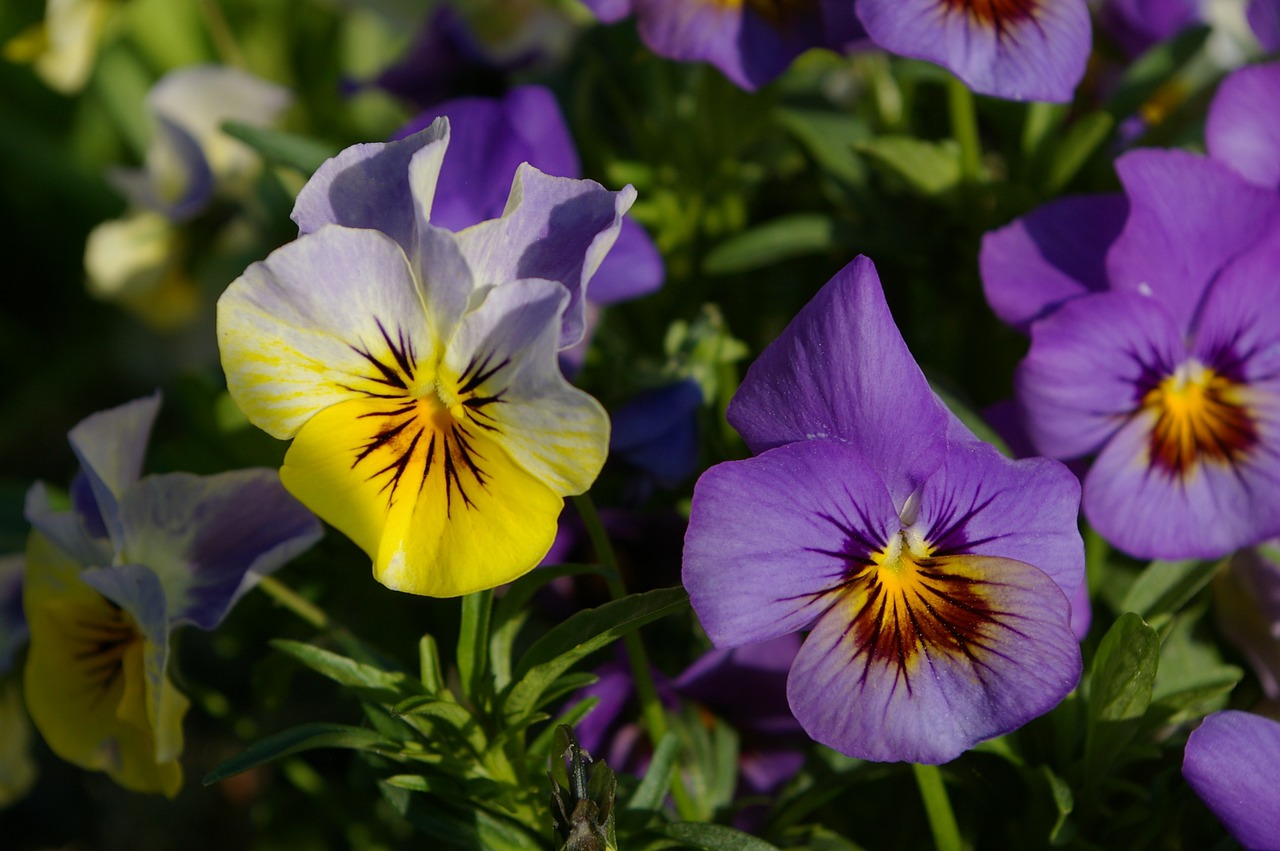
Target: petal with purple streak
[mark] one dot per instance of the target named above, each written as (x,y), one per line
(841,370)
(921,669)
(1015,49)
(1232,761)
(1243,126)
(769,537)
(1051,255)
(111,446)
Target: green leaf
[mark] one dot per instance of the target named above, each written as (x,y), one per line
(302,738)
(1063,802)
(510,612)
(346,671)
(279,148)
(715,837)
(1164,587)
(429,671)
(929,168)
(829,138)
(473,645)
(579,636)
(652,790)
(474,828)
(1076,146)
(772,242)
(1121,681)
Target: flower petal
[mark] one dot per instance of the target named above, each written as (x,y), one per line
(13,624)
(325,318)
(1049,256)
(1014,50)
(978,650)
(769,537)
(210,539)
(841,370)
(553,430)
(431,526)
(110,446)
(1264,20)
(1079,382)
(982,503)
(1188,215)
(367,186)
(1232,761)
(1243,129)
(555,228)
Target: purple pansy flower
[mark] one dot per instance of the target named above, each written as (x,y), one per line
(108,580)
(657,432)
(931,571)
(1232,761)
(1242,129)
(1150,339)
(1014,49)
(1139,24)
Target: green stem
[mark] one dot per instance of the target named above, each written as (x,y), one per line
(220,32)
(942,821)
(652,715)
(291,600)
(964,127)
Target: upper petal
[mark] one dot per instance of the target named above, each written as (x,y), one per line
(771,537)
(1019,51)
(555,228)
(841,370)
(368,186)
(1051,255)
(1243,126)
(1264,20)
(111,446)
(332,315)
(1232,761)
(209,539)
(1188,216)
(921,669)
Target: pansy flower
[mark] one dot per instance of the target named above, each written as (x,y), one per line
(1013,49)
(1152,345)
(415,368)
(108,579)
(63,48)
(1232,761)
(17,768)
(932,572)
(1136,25)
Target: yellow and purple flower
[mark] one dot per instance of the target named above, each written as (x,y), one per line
(1152,340)
(415,367)
(107,580)
(932,572)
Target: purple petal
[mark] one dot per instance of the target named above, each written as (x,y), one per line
(1054,254)
(1188,216)
(111,446)
(1018,51)
(1243,126)
(13,623)
(609,11)
(1081,610)
(1232,761)
(720,678)
(368,186)
(982,503)
(1264,20)
(1246,600)
(925,670)
(211,538)
(555,228)
(657,431)
(632,268)
(145,187)
(1137,25)
(770,536)
(66,530)
(1081,378)
(614,690)
(841,370)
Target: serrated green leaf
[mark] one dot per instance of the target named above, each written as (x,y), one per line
(772,242)
(579,636)
(279,148)
(929,168)
(1164,587)
(346,671)
(716,837)
(302,738)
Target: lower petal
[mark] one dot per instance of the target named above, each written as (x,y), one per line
(926,670)
(1232,762)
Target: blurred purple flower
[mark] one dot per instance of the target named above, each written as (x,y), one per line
(13,624)
(1013,49)
(931,571)
(657,432)
(1137,25)
(1264,19)
(1247,603)
(1242,129)
(1232,761)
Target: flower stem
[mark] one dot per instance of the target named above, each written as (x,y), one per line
(964,127)
(291,600)
(220,32)
(942,821)
(653,716)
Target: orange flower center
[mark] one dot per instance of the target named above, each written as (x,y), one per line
(1201,416)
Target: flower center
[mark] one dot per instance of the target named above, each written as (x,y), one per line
(994,13)
(1200,416)
(100,636)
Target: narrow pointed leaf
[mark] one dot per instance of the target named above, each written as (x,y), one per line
(297,739)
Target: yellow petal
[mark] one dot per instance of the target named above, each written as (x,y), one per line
(440,507)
